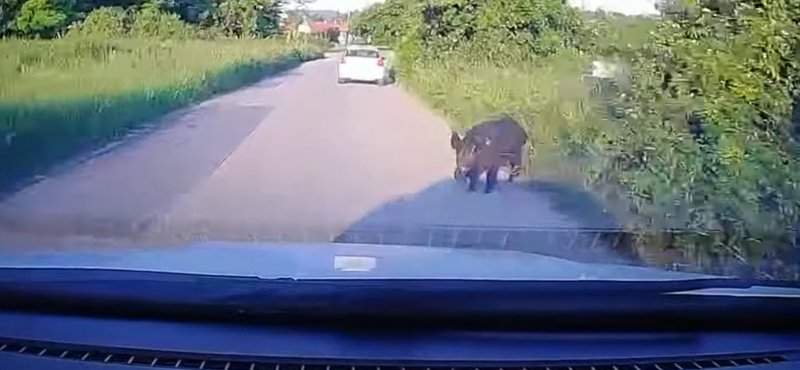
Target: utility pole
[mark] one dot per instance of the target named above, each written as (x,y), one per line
(347,34)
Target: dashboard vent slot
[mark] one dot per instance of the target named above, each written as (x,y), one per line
(165,360)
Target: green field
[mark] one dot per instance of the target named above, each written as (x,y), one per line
(58,97)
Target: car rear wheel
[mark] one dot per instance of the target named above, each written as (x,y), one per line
(382,82)
(341,80)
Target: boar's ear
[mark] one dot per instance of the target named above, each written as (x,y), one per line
(455,140)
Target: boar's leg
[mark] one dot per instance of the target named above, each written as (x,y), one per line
(516,162)
(513,173)
(473,175)
(491,179)
(458,174)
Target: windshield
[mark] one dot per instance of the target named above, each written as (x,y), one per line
(530,139)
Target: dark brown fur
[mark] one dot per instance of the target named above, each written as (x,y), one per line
(486,147)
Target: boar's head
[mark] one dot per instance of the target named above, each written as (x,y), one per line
(466,155)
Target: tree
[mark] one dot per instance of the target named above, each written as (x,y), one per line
(332,34)
(248,18)
(8,12)
(45,18)
(105,21)
(192,11)
(293,16)
(707,144)
(301,6)
(152,21)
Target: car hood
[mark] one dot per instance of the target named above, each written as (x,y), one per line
(336,261)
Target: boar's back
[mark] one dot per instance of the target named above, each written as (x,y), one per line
(504,134)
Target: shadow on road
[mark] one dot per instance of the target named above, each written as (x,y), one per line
(274,80)
(95,196)
(139,127)
(537,217)
(577,204)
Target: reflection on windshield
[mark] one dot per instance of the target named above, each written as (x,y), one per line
(662,137)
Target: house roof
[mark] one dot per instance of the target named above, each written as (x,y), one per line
(325,25)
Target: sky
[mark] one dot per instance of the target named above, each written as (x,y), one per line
(629,7)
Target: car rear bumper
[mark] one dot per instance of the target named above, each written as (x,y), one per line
(361,79)
(364,77)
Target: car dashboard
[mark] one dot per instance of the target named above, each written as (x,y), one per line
(49,341)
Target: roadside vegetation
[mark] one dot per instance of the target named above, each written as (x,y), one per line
(692,143)
(74,75)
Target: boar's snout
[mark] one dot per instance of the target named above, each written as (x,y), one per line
(466,157)
(463,154)
(455,140)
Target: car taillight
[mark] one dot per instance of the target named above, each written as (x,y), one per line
(380,62)
(343,60)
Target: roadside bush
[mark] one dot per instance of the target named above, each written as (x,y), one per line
(708,143)
(104,21)
(247,18)
(152,22)
(149,21)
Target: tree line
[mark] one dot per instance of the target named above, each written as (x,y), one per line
(168,18)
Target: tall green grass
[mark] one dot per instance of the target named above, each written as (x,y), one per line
(59,97)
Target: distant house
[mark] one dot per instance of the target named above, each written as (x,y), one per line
(335,30)
(325,26)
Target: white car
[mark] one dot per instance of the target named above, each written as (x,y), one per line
(362,63)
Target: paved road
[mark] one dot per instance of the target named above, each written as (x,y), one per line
(294,157)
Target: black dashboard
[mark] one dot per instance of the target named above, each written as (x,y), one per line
(51,341)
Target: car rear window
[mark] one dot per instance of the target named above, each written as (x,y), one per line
(362,53)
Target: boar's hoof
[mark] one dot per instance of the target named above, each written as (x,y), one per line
(515,172)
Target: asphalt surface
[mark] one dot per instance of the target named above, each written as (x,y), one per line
(296,157)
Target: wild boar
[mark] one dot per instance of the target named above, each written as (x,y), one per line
(485,148)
